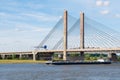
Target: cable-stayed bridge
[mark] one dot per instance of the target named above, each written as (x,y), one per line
(77,35)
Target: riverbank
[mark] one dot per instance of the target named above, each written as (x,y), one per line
(20,61)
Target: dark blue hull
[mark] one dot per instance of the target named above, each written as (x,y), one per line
(76,63)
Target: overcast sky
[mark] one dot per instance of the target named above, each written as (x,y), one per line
(24,23)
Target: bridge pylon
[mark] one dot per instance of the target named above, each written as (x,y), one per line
(82,35)
(65,36)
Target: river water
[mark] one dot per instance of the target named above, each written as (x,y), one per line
(61,72)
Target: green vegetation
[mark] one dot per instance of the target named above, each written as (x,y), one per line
(118,58)
(92,57)
(88,56)
(16,57)
(72,56)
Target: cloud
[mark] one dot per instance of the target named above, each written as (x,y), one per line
(104,12)
(99,3)
(35,6)
(25,22)
(102,3)
(41,16)
(2,14)
(106,3)
(29,16)
(17,29)
(15,5)
(30,28)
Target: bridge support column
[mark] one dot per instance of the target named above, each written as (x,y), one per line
(20,56)
(34,55)
(109,56)
(3,56)
(65,36)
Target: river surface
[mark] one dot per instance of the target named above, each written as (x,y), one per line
(61,72)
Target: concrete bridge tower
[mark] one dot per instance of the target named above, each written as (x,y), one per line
(82,34)
(65,36)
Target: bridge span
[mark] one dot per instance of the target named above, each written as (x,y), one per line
(88,50)
(68,50)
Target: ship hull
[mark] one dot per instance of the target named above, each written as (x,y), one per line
(75,63)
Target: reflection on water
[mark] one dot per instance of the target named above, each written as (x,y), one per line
(61,72)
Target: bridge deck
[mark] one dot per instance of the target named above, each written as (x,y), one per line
(68,50)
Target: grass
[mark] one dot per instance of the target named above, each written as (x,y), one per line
(20,61)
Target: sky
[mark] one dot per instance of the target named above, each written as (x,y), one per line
(25,23)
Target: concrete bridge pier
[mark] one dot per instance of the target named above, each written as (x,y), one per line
(112,57)
(3,56)
(34,55)
(20,56)
(109,56)
(82,56)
